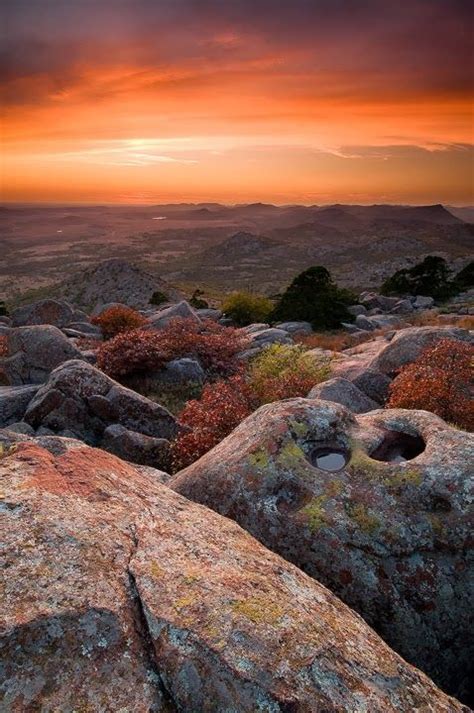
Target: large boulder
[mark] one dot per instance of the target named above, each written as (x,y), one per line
(422,302)
(343,391)
(371,300)
(297,327)
(407,345)
(14,401)
(48,311)
(267,336)
(80,399)
(33,353)
(162,318)
(136,447)
(123,596)
(375,506)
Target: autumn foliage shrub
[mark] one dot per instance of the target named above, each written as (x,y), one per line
(279,372)
(117,320)
(283,371)
(138,351)
(440,381)
(222,406)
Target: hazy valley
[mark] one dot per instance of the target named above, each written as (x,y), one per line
(220,248)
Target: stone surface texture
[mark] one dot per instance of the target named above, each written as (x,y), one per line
(392,539)
(123,596)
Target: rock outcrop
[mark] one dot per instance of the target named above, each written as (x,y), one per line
(82,401)
(48,311)
(123,596)
(162,318)
(376,507)
(33,352)
(116,280)
(14,401)
(343,391)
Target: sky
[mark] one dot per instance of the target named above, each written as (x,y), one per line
(308,101)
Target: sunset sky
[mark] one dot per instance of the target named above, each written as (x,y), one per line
(311,101)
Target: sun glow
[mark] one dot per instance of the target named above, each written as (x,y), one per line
(238,109)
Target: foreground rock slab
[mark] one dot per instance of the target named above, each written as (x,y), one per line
(326,489)
(123,596)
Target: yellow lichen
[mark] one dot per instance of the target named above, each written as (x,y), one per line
(156,570)
(259,459)
(291,455)
(183,602)
(300,429)
(258,609)
(407,476)
(361,515)
(314,511)
(361,461)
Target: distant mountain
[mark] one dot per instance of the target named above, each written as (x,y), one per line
(239,248)
(465,213)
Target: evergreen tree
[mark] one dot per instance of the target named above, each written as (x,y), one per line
(429,277)
(313,297)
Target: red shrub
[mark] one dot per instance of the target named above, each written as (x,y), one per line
(441,381)
(117,320)
(222,406)
(140,350)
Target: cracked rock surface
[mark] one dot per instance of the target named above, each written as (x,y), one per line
(120,595)
(390,536)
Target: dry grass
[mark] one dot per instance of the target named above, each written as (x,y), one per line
(432,318)
(338,341)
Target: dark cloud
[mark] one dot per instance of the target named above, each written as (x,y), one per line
(367,46)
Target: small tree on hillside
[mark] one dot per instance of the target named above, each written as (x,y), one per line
(313,297)
(429,277)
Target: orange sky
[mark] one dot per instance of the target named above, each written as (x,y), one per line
(310,102)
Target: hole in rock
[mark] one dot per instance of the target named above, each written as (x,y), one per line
(398,447)
(329,458)
(440,504)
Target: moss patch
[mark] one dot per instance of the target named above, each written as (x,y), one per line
(291,456)
(362,517)
(315,513)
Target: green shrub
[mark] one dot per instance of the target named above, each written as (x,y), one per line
(429,277)
(3,309)
(197,302)
(313,297)
(283,371)
(158,298)
(245,308)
